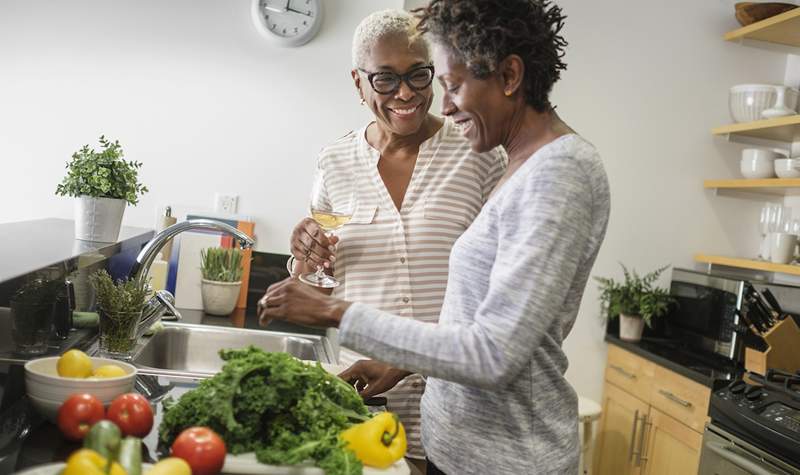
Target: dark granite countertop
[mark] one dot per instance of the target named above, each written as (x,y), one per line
(704,369)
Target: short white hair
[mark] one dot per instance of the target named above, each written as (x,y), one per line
(381,24)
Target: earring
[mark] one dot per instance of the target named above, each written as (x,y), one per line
(508,93)
(363,101)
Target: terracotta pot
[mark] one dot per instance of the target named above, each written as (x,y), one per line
(630,327)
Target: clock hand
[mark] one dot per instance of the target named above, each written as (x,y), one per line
(277,9)
(307,13)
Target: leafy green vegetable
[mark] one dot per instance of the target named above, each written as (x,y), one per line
(221,264)
(284,410)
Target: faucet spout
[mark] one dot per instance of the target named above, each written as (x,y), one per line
(148,254)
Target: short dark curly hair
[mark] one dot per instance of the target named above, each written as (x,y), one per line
(482,33)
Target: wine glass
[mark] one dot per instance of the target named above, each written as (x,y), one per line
(332,206)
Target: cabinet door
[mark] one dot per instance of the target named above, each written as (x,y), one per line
(671,448)
(618,434)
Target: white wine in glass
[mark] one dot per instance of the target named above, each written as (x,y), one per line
(331,208)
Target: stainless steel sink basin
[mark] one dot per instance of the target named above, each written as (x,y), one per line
(192,350)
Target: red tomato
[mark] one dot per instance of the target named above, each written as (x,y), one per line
(202,449)
(77,415)
(132,413)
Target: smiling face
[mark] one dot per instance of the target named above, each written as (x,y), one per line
(403,111)
(478,106)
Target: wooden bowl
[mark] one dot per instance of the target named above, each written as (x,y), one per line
(751,12)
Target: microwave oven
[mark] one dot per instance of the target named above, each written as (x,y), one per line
(705,315)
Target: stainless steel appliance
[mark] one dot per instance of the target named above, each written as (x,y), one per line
(706,313)
(755,426)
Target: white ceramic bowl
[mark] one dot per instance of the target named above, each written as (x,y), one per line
(47,390)
(787,167)
(747,101)
(758,163)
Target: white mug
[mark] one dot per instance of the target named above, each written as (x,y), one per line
(758,163)
(781,247)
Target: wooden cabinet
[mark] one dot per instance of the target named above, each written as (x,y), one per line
(652,419)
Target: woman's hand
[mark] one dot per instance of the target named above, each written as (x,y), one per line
(372,377)
(295,302)
(309,244)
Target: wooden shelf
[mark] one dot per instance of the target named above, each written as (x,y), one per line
(770,186)
(747,264)
(782,29)
(783,129)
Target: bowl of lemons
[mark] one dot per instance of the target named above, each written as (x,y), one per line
(50,381)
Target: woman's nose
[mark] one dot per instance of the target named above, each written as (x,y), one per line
(404,93)
(448,108)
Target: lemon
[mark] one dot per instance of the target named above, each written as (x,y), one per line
(74,364)
(170,466)
(108,371)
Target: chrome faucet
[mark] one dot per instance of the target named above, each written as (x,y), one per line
(163,300)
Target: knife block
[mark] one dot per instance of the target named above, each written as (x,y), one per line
(783,340)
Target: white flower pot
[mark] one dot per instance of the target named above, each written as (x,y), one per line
(219,298)
(98,219)
(630,327)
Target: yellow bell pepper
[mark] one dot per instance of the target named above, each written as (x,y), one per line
(89,462)
(378,442)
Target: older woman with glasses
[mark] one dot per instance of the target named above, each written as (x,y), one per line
(496,399)
(423,186)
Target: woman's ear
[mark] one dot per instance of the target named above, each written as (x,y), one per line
(357,83)
(512,71)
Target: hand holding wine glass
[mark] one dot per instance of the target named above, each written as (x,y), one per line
(331,207)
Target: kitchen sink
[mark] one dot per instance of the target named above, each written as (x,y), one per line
(181,349)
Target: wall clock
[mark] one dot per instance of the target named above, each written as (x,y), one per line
(287,22)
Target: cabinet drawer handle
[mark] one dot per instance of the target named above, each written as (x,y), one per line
(674,398)
(641,457)
(622,371)
(633,435)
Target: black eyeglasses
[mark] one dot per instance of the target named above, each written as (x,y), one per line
(386,82)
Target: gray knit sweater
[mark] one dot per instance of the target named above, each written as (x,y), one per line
(496,400)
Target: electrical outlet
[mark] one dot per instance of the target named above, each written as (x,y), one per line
(225,203)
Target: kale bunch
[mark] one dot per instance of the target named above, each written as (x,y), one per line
(272,404)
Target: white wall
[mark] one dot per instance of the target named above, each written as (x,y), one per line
(191,90)
(188,87)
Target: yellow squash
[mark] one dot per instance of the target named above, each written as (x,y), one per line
(378,442)
(89,462)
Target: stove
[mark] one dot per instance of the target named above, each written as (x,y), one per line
(759,418)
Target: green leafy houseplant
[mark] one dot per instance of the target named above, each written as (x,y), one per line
(120,307)
(635,296)
(102,174)
(221,264)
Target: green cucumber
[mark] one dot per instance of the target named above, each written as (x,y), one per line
(130,455)
(104,438)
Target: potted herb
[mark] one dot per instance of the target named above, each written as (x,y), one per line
(222,279)
(119,306)
(635,301)
(103,182)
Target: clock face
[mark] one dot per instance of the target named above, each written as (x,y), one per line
(288,22)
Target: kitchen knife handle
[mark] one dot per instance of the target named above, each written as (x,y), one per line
(772,300)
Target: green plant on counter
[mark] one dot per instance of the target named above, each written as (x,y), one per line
(120,307)
(221,264)
(636,296)
(103,174)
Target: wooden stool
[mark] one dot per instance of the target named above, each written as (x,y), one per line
(588,412)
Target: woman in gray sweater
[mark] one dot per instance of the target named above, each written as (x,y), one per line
(497,400)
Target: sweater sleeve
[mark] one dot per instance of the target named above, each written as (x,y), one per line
(542,226)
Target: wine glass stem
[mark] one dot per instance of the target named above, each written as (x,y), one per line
(321,269)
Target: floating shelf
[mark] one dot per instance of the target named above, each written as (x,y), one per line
(747,264)
(783,129)
(783,29)
(769,186)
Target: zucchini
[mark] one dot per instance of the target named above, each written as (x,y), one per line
(104,438)
(130,455)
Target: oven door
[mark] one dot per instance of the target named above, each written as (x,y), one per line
(726,454)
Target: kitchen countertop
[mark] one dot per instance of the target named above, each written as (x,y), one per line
(671,355)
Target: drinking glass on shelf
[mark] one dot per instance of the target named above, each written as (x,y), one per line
(332,206)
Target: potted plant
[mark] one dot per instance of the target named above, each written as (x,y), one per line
(103,182)
(119,306)
(636,301)
(222,279)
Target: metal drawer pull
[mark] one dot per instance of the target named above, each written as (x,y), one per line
(725,452)
(645,430)
(622,371)
(633,435)
(674,398)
